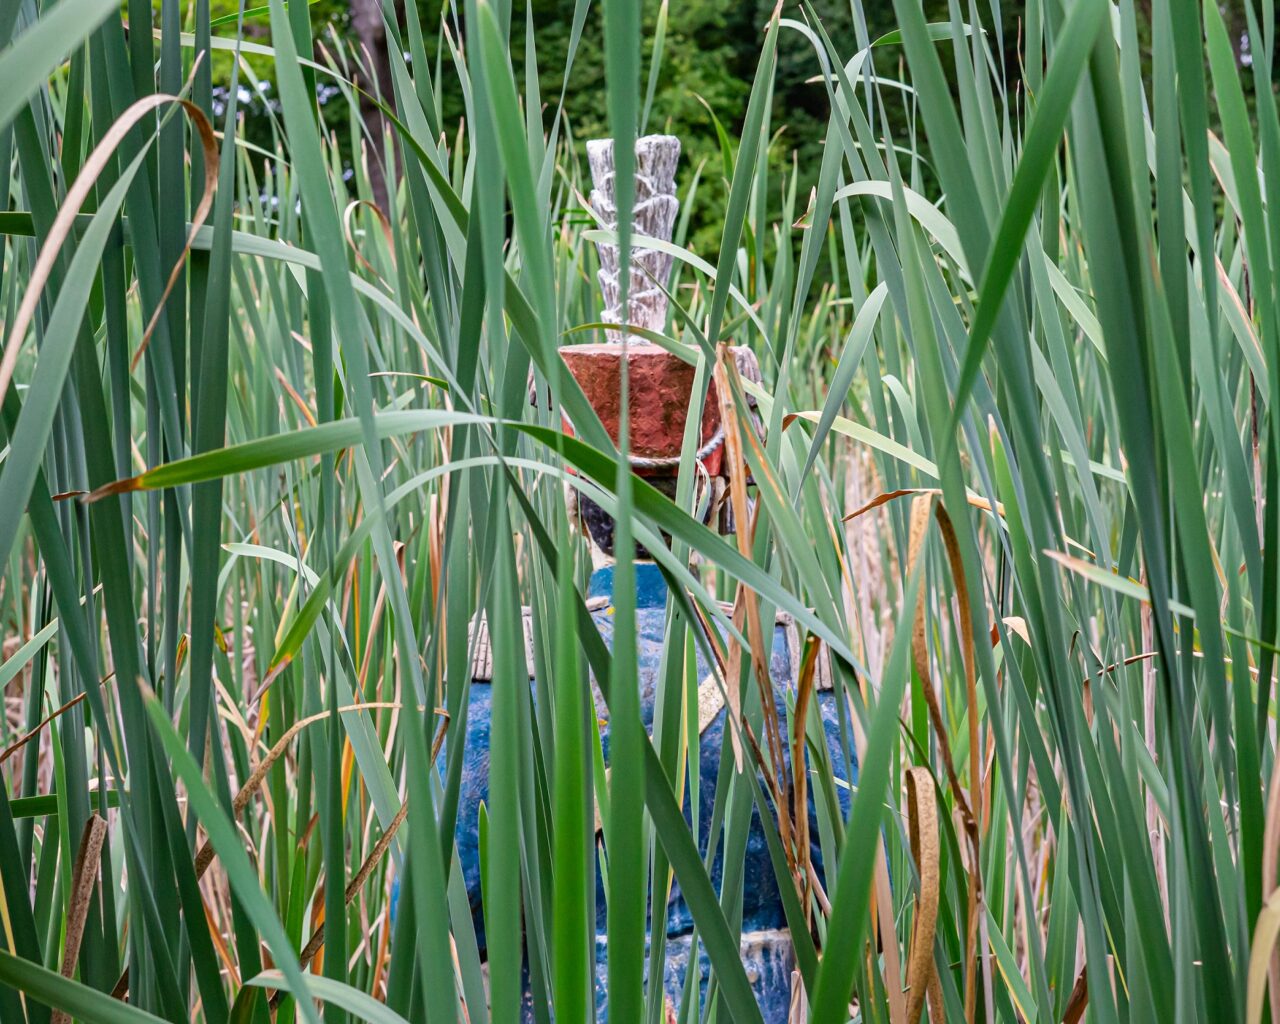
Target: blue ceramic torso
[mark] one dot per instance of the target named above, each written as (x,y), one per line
(766,947)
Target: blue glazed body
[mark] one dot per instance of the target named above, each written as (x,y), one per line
(766,948)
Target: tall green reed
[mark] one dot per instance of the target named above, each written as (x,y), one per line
(1033,345)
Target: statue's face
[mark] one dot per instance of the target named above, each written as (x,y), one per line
(600,525)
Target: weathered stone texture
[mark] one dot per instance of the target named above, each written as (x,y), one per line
(653,216)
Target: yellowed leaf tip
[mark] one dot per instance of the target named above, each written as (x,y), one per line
(125,486)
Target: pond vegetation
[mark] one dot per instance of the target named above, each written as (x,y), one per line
(268,453)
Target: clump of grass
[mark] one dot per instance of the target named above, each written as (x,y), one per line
(268,449)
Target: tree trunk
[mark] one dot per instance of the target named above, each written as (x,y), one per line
(375,75)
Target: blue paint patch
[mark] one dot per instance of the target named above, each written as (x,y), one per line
(651,585)
(769,966)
